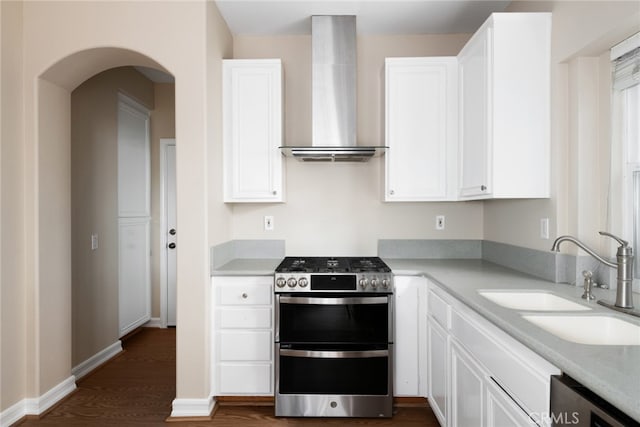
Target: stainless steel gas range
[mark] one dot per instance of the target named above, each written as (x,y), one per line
(333,337)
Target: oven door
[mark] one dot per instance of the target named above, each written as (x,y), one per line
(333,319)
(348,371)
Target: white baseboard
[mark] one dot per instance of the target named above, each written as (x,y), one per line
(96,360)
(192,407)
(37,405)
(154,322)
(12,414)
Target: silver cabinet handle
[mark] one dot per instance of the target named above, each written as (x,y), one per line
(245,295)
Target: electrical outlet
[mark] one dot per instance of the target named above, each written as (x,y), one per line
(440,222)
(94,242)
(544,228)
(268,223)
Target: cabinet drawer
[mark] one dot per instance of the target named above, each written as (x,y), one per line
(245,345)
(522,373)
(240,317)
(438,309)
(244,292)
(251,379)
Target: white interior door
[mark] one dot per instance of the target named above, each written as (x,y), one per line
(171,231)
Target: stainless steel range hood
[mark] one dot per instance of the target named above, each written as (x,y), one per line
(333,44)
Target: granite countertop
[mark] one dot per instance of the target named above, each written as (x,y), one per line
(613,372)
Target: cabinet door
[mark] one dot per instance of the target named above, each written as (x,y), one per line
(437,370)
(502,411)
(244,379)
(420,126)
(467,389)
(134,277)
(475,178)
(252,130)
(409,295)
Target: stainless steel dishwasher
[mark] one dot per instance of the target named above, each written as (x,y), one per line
(572,404)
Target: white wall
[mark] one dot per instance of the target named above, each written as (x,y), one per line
(13,338)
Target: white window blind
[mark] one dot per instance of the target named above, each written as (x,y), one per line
(625,59)
(626,63)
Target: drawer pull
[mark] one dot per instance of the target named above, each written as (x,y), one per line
(245,296)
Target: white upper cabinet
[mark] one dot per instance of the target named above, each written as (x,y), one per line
(252,130)
(420,129)
(504,75)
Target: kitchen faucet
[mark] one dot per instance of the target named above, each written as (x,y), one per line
(624,266)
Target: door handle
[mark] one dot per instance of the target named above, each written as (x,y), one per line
(171,245)
(172,231)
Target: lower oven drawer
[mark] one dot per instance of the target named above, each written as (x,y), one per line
(318,371)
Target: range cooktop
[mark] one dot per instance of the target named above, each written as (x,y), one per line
(326,274)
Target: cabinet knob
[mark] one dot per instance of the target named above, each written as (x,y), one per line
(245,295)
(274,192)
(392,192)
(483,188)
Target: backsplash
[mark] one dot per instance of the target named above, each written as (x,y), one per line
(547,265)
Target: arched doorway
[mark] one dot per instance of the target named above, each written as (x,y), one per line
(116,248)
(52,343)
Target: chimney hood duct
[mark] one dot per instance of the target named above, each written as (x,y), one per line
(333,44)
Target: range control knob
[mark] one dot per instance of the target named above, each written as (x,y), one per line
(291,282)
(363,283)
(280,282)
(303,282)
(385,283)
(374,283)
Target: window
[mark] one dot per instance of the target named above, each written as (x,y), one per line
(626,85)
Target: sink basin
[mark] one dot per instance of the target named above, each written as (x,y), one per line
(594,330)
(532,301)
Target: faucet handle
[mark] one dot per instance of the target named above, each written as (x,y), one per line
(622,242)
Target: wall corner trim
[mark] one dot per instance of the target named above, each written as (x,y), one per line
(187,408)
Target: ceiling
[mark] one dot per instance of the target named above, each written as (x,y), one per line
(279,17)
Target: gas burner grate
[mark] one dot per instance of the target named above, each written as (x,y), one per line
(332,265)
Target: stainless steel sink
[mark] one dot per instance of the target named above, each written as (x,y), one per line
(531,300)
(599,329)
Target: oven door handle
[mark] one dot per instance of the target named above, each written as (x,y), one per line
(334,354)
(333,301)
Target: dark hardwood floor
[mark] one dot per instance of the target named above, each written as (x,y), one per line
(136,389)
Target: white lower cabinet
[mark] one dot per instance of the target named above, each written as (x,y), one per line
(467,388)
(409,335)
(242,328)
(477,374)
